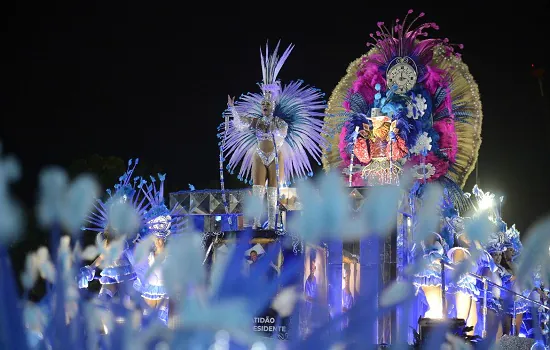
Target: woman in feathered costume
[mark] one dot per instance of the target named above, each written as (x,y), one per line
(270,134)
(120,270)
(489,266)
(490,261)
(513,246)
(160,222)
(468,289)
(463,286)
(429,99)
(433,251)
(541,294)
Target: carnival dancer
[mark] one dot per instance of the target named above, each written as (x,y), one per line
(489,267)
(513,305)
(433,252)
(312,313)
(541,294)
(120,270)
(160,222)
(272,133)
(380,148)
(347,297)
(437,250)
(463,286)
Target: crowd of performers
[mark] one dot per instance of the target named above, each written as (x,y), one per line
(494,260)
(272,134)
(408,104)
(124,274)
(410,107)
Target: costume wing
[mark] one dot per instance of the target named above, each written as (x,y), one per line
(302,108)
(332,158)
(238,144)
(467,113)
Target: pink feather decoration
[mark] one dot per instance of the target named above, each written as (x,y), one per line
(346,105)
(367,78)
(357,180)
(448,141)
(434,79)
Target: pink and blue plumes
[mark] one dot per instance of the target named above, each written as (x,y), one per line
(367,78)
(431,78)
(448,141)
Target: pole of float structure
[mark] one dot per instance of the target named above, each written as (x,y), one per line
(443,296)
(334,262)
(485,288)
(370,271)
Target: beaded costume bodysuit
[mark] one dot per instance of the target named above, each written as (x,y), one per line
(275,130)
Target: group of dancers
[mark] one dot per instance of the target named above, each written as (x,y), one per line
(401,107)
(128,273)
(495,259)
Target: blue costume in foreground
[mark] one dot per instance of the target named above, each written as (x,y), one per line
(119,270)
(160,223)
(153,219)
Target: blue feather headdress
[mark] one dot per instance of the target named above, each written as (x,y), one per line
(159,220)
(126,191)
(453,224)
(495,243)
(485,205)
(513,241)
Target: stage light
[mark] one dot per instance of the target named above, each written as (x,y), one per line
(486,203)
(434,313)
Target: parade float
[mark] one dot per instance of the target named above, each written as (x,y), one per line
(385,242)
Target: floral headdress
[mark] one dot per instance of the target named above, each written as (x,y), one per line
(512,240)
(485,204)
(495,243)
(159,220)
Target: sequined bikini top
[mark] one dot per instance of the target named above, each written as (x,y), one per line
(276,126)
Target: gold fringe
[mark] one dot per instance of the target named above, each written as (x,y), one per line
(464,91)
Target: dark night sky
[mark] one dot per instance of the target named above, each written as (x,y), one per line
(150,81)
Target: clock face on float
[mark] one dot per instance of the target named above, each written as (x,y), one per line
(401,75)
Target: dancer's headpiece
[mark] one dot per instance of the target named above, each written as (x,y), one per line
(512,240)
(159,220)
(271,65)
